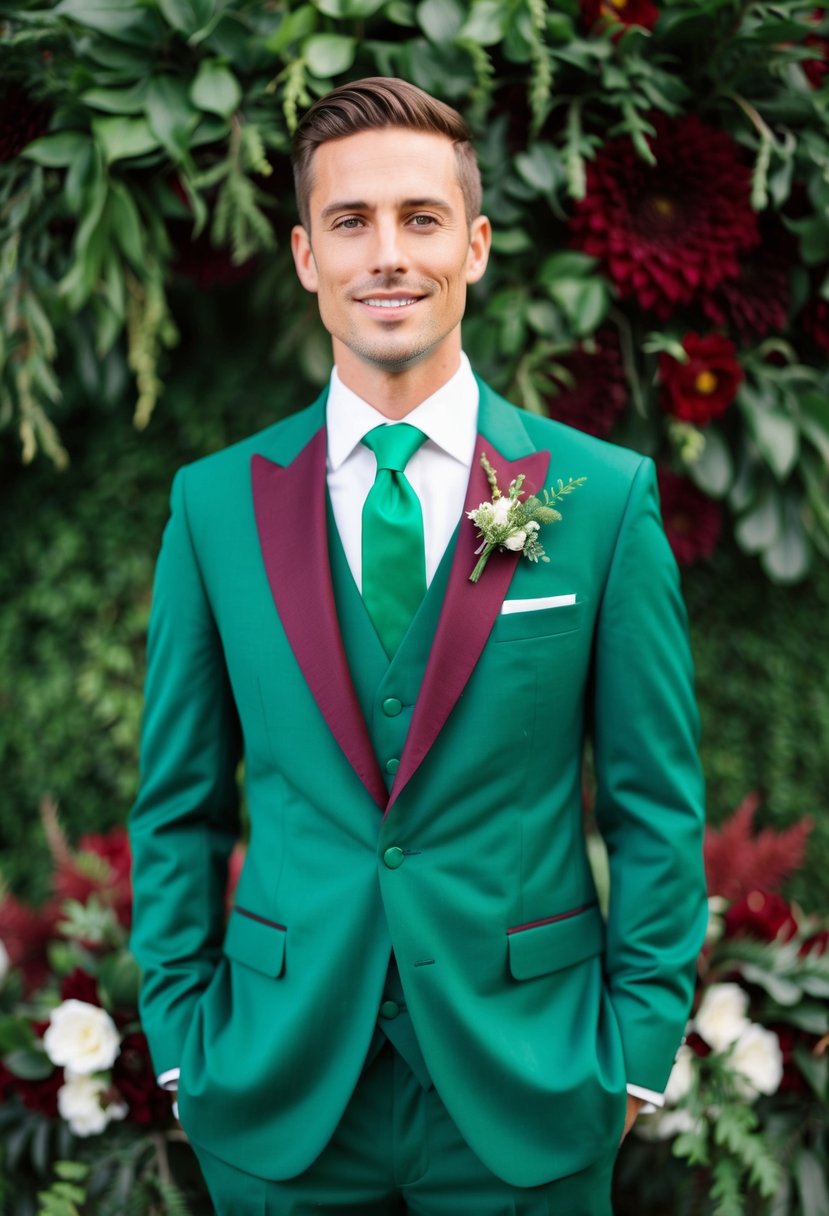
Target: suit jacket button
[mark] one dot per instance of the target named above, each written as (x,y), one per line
(393,857)
(392,765)
(392,707)
(389,1009)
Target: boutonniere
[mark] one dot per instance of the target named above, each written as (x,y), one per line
(510,523)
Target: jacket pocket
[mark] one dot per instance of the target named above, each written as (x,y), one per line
(255,942)
(538,623)
(550,945)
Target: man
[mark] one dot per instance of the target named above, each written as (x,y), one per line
(415,1004)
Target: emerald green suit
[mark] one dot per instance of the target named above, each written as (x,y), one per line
(466,858)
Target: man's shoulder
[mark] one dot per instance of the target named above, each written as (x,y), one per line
(574,453)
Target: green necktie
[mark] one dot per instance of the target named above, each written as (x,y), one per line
(394,557)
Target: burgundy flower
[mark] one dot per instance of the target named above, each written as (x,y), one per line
(134,1078)
(40,1096)
(757,302)
(761,914)
(816,68)
(26,933)
(693,521)
(671,233)
(814,322)
(21,121)
(621,12)
(704,386)
(80,986)
(816,945)
(597,393)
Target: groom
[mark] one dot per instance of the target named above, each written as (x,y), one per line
(415,1003)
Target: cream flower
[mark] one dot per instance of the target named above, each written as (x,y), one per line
(721,1017)
(516,540)
(501,509)
(82,1037)
(81,1104)
(664,1124)
(757,1061)
(681,1078)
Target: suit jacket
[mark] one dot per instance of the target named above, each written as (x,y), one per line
(532,1011)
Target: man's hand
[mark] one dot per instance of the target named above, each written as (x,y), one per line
(634,1106)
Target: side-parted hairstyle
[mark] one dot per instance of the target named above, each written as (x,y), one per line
(372,104)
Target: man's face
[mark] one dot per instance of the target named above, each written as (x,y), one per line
(389,252)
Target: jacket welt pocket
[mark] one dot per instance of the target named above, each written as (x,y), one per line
(537,623)
(544,946)
(255,942)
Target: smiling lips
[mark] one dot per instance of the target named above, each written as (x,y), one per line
(389,302)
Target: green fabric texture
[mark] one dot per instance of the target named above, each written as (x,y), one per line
(394,556)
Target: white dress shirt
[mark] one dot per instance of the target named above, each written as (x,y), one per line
(438,473)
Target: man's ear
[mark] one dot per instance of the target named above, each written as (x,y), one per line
(480,242)
(306,267)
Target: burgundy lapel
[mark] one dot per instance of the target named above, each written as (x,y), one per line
(291,518)
(469,611)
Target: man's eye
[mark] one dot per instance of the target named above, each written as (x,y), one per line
(423,221)
(349,221)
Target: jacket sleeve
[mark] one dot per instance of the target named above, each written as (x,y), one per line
(650,794)
(185,820)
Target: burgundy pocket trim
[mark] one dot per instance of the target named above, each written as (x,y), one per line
(551,920)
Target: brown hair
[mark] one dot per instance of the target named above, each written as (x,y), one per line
(371,104)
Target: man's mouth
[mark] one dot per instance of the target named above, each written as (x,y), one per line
(389,303)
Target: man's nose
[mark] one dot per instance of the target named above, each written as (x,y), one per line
(389,253)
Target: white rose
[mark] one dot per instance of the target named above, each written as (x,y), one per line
(80,1104)
(515,542)
(82,1037)
(757,1060)
(501,508)
(681,1078)
(716,919)
(721,1018)
(5,962)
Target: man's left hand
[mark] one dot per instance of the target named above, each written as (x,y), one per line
(634,1106)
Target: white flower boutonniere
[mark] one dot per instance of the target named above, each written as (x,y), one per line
(509,523)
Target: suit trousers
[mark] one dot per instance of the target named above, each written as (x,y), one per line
(396,1151)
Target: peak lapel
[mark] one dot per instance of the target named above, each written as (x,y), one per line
(289,503)
(469,610)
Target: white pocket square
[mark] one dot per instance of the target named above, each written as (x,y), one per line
(543,601)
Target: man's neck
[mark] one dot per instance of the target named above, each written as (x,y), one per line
(396,394)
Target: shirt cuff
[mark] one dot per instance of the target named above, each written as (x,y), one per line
(169,1078)
(648,1096)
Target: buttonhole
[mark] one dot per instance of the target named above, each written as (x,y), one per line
(425,962)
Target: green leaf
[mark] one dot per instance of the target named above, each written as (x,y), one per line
(126,224)
(713,470)
(294,27)
(58,150)
(810,1177)
(775,433)
(440,20)
(759,528)
(187,16)
(171,117)
(135,24)
(121,138)
(566,265)
(815,1069)
(119,979)
(788,558)
(485,24)
(29,1064)
(349,10)
(215,89)
(116,101)
(15,1033)
(540,167)
(328,55)
(510,241)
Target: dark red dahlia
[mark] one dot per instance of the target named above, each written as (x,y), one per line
(134,1078)
(762,914)
(816,945)
(693,521)
(619,12)
(704,386)
(21,121)
(40,1096)
(758,301)
(670,233)
(594,393)
(26,933)
(814,322)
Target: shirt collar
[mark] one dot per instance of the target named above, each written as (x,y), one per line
(449,418)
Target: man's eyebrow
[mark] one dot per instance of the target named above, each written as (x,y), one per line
(359,205)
